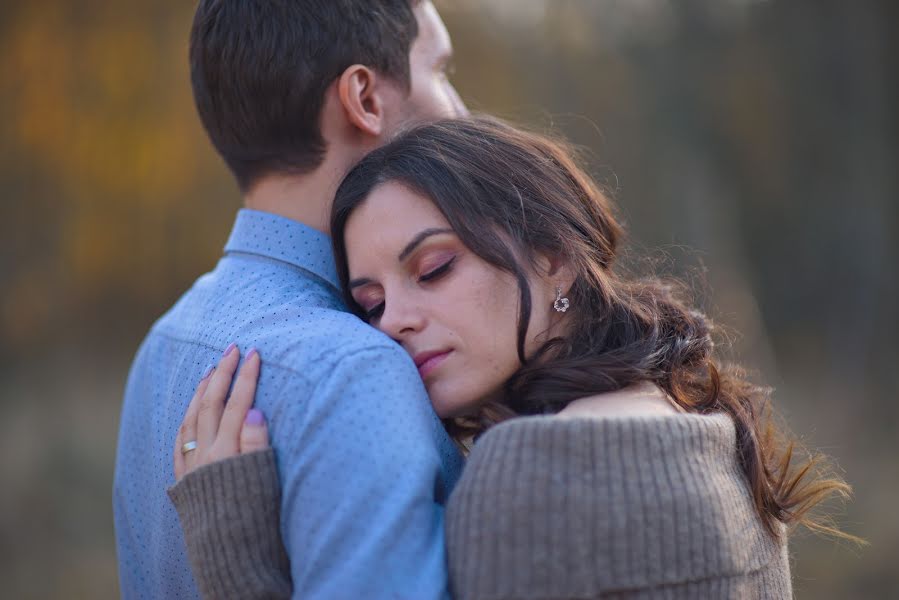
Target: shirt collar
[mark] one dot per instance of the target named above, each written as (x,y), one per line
(273,236)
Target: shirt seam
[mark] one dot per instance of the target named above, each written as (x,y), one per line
(269,363)
(306,271)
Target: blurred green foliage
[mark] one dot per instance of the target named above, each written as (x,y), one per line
(752,144)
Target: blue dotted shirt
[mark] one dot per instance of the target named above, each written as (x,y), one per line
(365,464)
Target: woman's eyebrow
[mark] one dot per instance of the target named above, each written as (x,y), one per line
(412,245)
(418,239)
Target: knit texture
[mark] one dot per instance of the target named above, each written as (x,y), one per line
(635,507)
(231,509)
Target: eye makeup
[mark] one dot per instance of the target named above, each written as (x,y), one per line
(424,263)
(439,271)
(374,312)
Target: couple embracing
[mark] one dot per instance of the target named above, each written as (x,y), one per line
(417,372)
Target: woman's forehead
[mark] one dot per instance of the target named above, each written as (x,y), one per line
(385,223)
(392,210)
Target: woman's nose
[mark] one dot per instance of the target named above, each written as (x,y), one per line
(400,318)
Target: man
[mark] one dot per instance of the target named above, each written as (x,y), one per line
(292,93)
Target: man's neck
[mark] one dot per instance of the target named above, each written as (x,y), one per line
(303,198)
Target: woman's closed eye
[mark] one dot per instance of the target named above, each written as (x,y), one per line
(437,272)
(373,313)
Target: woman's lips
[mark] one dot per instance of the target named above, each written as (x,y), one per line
(427,362)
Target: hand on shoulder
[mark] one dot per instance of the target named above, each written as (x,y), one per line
(213,429)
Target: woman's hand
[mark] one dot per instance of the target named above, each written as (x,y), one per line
(214,430)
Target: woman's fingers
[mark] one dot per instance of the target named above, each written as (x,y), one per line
(242,396)
(188,430)
(254,433)
(213,429)
(213,403)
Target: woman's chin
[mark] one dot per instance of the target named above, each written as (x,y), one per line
(446,412)
(447,408)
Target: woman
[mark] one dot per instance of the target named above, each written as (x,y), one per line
(643,468)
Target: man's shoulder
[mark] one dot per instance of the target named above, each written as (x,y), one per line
(299,327)
(322,341)
(309,333)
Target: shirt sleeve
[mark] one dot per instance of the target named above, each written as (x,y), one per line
(361,471)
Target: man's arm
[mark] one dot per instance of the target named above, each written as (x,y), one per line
(360,471)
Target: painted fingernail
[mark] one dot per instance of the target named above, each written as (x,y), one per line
(253,352)
(207,372)
(254,417)
(229,349)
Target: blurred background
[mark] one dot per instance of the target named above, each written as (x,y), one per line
(751,144)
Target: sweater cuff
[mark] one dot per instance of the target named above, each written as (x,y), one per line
(230,515)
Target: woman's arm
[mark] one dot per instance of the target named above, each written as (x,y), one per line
(227,494)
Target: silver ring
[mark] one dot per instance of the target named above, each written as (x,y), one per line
(189,447)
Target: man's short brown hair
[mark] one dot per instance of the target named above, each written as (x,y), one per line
(260,69)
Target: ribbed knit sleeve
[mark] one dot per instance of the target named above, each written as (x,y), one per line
(229,511)
(632,507)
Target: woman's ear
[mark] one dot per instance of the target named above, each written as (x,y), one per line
(556,267)
(557,271)
(361,99)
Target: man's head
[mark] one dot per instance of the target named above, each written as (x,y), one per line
(279,83)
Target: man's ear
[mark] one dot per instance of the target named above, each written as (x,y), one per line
(361,99)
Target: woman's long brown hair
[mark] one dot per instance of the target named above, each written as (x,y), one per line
(511,195)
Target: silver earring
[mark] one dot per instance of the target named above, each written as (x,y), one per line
(561,304)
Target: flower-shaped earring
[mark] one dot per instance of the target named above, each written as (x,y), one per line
(561,304)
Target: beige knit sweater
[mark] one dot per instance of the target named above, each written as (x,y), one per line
(547,508)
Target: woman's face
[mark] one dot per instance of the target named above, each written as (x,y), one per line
(455,314)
